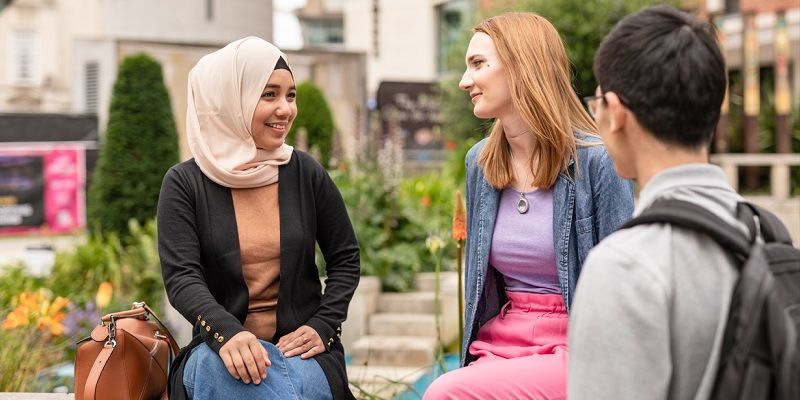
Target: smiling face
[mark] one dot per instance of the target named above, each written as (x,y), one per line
(275,111)
(485,79)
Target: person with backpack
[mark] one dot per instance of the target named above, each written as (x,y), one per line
(651,313)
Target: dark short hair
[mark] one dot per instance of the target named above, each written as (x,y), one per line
(666,67)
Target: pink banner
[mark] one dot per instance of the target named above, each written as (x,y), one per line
(42,189)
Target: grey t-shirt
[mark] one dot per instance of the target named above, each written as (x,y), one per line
(652,301)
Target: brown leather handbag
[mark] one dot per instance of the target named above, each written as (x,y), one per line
(126,357)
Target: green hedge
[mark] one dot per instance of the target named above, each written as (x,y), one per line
(314,115)
(139,145)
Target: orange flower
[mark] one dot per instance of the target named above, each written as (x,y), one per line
(459,220)
(52,324)
(37,306)
(51,316)
(426,201)
(30,299)
(17,318)
(57,305)
(104,293)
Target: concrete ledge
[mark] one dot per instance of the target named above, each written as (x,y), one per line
(787,210)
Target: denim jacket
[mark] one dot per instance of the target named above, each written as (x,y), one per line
(588,205)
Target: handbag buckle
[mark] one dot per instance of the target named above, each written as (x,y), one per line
(112,332)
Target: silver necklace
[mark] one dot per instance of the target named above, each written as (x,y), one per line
(522,202)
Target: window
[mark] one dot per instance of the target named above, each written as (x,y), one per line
(452,18)
(25,69)
(92,76)
(334,5)
(324,31)
(731,6)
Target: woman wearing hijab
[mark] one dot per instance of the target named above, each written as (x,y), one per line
(237,228)
(541,192)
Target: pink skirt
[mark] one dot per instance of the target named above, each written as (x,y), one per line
(521,354)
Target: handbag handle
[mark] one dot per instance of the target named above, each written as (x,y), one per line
(141,309)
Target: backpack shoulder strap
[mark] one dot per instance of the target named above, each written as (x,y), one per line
(692,216)
(770,226)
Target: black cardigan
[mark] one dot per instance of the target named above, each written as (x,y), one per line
(198,244)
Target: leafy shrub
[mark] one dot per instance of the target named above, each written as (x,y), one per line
(314,115)
(94,278)
(133,269)
(392,223)
(139,145)
(384,230)
(14,280)
(32,335)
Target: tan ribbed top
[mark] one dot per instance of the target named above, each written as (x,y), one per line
(258,221)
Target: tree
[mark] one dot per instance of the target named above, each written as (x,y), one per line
(139,146)
(583,24)
(314,115)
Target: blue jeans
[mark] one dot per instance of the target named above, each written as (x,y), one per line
(205,377)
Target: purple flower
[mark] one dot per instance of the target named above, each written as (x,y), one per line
(79,322)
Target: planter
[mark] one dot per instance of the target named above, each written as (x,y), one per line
(363,304)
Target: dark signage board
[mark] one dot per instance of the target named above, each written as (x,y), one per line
(411,108)
(21,191)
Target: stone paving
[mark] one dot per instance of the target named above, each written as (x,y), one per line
(400,338)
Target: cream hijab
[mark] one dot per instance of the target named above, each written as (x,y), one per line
(224,89)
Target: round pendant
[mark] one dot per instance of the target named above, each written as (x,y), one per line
(522,204)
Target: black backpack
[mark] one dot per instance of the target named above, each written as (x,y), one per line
(760,356)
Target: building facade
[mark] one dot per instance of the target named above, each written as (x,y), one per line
(407,49)
(61,56)
(761,44)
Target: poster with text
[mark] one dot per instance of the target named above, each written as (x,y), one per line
(42,189)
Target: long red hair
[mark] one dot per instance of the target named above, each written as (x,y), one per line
(538,75)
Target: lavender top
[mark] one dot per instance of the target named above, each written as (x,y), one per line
(522,245)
